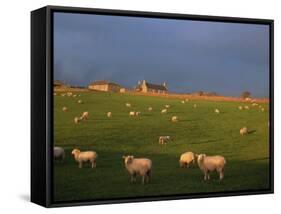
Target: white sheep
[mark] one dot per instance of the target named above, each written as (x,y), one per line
(167,106)
(150,109)
(186,100)
(74,95)
(174,119)
(195,106)
(138,166)
(85,116)
(183,102)
(186,159)
(109,114)
(77,119)
(164,111)
(244,131)
(132,113)
(164,139)
(59,153)
(262,109)
(211,163)
(246,107)
(63,95)
(79,101)
(128,104)
(240,107)
(69,94)
(138,113)
(64,108)
(217,111)
(85,156)
(55,94)
(254,104)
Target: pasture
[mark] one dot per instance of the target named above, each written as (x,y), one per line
(199,130)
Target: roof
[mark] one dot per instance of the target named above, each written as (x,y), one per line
(103,82)
(156,87)
(58,83)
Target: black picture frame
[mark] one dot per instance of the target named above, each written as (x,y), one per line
(42,102)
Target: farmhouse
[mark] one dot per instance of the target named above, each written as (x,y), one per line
(103,85)
(144,86)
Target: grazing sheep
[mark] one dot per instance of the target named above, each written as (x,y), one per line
(64,108)
(80,101)
(248,99)
(164,139)
(109,114)
(138,166)
(128,104)
(195,106)
(85,116)
(262,109)
(150,109)
(164,111)
(187,158)
(167,106)
(246,107)
(74,95)
(69,94)
(138,113)
(132,113)
(211,163)
(86,156)
(186,100)
(174,119)
(183,102)
(217,111)
(77,119)
(244,131)
(240,107)
(59,153)
(254,104)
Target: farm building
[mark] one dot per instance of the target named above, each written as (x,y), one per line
(58,84)
(144,86)
(103,85)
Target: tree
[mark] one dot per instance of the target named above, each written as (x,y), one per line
(245,94)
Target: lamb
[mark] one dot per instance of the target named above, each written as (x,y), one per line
(64,108)
(186,159)
(211,163)
(77,119)
(86,156)
(217,111)
(164,111)
(174,119)
(244,131)
(131,113)
(150,109)
(128,105)
(80,101)
(85,116)
(109,114)
(59,153)
(138,166)
(164,139)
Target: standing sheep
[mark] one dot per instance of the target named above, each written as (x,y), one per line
(164,111)
(217,111)
(183,102)
(138,166)
(131,113)
(128,105)
(164,139)
(174,119)
(85,116)
(167,106)
(195,106)
(138,113)
(80,101)
(150,109)
(240,107)
(187,158)
(246,107)
(86,156)
(209,164)
(244,131)
(77,119)
(109,114)
(64,108)
(59,153)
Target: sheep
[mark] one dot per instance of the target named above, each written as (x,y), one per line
(167,106)
(138,166)
(74,95)
(128,105)
(150,109)
(164,111)
(240,107)
(138,113)
(80,101)
(183,102)
(77,119)
(164,139)
(187,158)
(69,94)
(62,94)
(131,113)
(174,119)
(217,111)
(64,108)
(55,94)
(211,163)
(246,107)
(86,156)
(262,109)
(109,114)
(59,153)
(244,131)
(254,104)
(85,116)
(195,106)
(186,100)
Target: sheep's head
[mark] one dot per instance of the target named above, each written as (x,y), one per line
(128,159)
(200,157)
(75,152)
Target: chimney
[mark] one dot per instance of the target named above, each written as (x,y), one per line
(165,84)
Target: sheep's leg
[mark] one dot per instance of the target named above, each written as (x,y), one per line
(143,179)
(94,164)
(208,176)
(80,164)
(205,175)
(221,174)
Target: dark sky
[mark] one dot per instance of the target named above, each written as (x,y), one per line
(226,58)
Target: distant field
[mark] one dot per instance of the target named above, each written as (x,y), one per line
(199,130)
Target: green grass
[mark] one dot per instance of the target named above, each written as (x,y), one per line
(199,130)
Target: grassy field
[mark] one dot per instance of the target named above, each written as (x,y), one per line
(199,130)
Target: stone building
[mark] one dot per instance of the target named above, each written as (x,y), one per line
(146,87)
(103,85)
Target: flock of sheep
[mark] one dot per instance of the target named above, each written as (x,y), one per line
(143,166)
